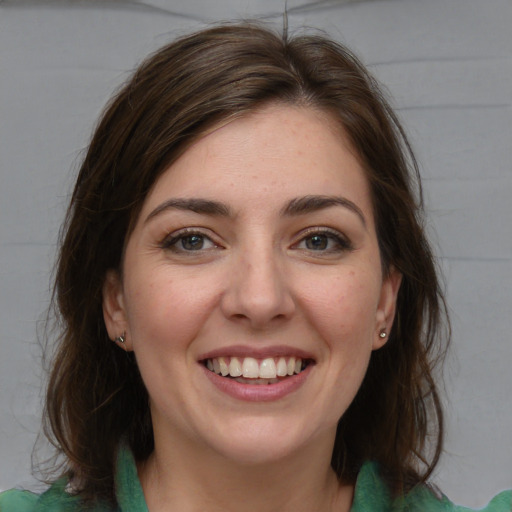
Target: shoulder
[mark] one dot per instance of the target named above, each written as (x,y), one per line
(55,499)
(372,495)
(425,499)
(17,501)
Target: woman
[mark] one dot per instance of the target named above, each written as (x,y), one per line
(250,309)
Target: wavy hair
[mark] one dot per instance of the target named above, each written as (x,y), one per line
(95,394)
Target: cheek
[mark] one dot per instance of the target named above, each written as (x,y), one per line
(344,307)
(166,310)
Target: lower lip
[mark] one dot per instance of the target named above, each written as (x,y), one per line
(258,392)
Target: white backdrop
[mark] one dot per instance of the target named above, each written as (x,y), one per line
(448,66)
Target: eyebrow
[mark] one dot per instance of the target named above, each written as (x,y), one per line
(297,206)
(196,205)
(309,204)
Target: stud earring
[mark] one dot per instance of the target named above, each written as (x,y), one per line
(383,334)
(121,339)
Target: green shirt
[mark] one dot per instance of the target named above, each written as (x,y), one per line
(371,495)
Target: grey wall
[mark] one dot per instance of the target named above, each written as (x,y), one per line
(448,65)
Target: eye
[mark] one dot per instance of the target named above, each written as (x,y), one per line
(318,242)
(323,241)
(188,241)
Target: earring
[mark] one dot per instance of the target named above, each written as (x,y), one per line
(383,334)
(121,339)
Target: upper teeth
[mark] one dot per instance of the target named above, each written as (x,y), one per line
(252,368)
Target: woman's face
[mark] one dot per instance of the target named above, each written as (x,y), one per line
(252,292)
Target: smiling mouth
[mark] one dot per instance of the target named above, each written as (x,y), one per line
(249,370)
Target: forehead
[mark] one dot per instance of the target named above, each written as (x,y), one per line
(264,156)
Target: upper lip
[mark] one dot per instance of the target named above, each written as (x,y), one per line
(256,352)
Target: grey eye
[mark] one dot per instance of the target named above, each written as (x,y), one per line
(317,242)
(188,242)
(324,241)
(192,242)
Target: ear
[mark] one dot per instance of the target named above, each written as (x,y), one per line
(114,312)
(387,307)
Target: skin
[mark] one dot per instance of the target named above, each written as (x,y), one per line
(254,277)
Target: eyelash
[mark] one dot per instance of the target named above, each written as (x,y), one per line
(171,241)
(342,244)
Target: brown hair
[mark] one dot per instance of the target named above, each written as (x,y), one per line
(95,394)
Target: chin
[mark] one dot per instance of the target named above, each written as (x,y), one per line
(262,452)
(255,442)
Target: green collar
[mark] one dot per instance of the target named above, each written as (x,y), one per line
(129,493)
(371,494)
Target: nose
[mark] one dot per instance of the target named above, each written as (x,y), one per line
(258,292)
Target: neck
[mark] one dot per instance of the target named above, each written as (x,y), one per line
(176,478)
